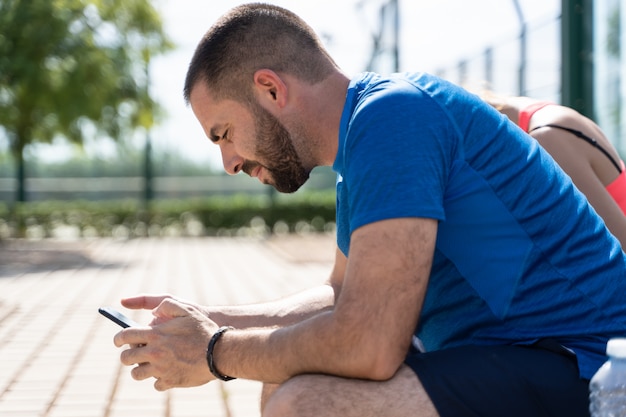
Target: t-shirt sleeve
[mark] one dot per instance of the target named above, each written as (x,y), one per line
(398,154)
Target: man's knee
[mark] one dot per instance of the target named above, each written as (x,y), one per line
(266,393)
(292,398)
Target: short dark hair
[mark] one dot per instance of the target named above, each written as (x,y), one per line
(252,37)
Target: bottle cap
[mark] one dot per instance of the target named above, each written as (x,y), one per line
(616,347)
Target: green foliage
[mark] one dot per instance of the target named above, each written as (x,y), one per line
(6,165)
(314,211)
(65,61)
(68,67)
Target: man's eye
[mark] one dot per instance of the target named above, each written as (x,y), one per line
(216,138)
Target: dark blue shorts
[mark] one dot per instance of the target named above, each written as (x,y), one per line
(496,381)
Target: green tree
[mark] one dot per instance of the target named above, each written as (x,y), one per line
(68,67)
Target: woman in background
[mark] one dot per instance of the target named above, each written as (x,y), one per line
(582,150)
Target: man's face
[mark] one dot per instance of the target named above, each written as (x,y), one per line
(251,139)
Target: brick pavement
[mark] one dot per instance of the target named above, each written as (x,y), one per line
(57,358)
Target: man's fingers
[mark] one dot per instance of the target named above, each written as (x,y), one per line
(131,356)
(142,371)
(160,385)
(133,336)
(144,301)
(147,370)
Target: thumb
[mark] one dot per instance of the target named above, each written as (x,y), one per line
(168,310)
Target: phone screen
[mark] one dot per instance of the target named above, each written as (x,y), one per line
(117,317)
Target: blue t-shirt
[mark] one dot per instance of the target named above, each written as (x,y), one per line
(520,254)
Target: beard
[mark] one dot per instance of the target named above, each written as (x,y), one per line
(275,148)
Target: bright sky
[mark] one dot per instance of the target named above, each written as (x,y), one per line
(434,34)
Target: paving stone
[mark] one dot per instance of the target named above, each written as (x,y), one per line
(57,357)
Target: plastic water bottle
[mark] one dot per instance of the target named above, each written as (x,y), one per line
(607,388)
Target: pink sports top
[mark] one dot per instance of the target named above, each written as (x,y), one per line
(617,188)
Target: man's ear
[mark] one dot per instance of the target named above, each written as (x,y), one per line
(270,87)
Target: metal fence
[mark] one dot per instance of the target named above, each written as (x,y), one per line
(528,64)
(106,188)
(103,188)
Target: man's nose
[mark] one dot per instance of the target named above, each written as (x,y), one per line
(233,163)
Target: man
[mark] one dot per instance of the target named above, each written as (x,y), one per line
(452,224)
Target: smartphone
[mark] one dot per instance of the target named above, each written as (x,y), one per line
(117,317)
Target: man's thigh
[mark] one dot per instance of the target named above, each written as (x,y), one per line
(496,381)
(329,396)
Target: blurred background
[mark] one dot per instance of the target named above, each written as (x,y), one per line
(96,140)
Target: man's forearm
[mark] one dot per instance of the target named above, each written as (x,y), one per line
(279,313)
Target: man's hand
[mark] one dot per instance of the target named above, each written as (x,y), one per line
(173,348)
